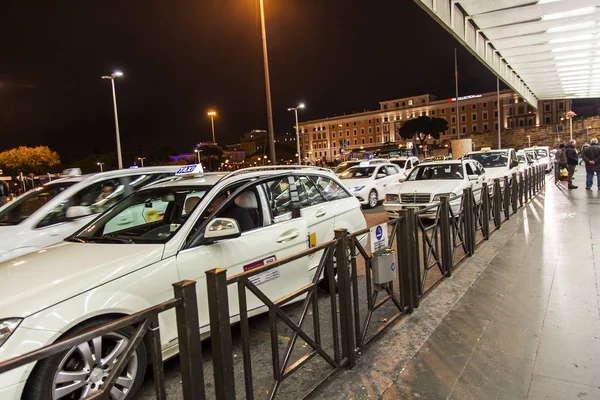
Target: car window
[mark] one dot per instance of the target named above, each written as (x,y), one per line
(491,159)
(382,170)
(392,169)
(96,198)
(436,171)
(308,193)
(19,210)
(470,169)
(245,209)
(358,173)
(330,189)
(279,198)
(401,163)
(415,163)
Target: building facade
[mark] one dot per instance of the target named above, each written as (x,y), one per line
(339,137)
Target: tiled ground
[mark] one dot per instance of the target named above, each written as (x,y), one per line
(520,320)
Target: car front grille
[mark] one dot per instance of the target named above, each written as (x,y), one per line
(417,198)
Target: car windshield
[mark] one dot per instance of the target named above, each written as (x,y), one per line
(358,173)
(19,210)
(541,153)
(400,163)
(493,159)
(436,171)
(148,216)
(522,158)
(344,166)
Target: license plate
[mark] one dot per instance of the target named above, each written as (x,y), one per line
(414,207)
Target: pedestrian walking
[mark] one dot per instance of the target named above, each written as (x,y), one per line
(561,162)
(572,160)
(591,157)
(4,193)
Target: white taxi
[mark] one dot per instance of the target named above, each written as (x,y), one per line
(370,183)
(429,181)
(497,163)
(342,167)
(187,226)
(48,214)
(406,164)
(542,155)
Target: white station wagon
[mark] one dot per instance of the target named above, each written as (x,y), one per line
(186,227)
(48,214)
(429,181)
(371,182)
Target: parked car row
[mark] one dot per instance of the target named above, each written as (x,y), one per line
(124,249)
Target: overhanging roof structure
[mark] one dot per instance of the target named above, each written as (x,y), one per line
(542,49)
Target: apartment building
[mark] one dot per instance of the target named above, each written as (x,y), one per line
(336,137)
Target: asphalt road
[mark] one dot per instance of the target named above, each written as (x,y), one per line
(297,384)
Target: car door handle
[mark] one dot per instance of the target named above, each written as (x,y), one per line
(54,233)
(287,236)
(320,213)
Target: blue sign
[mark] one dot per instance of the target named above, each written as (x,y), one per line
(393,266)
(379,233)
(189,169)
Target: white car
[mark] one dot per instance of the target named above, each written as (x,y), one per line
(428,181)
(48,214)
(497,163)
(406,164)
(370,183)
(542,155)
(526,160)
(238,222)
(342,167)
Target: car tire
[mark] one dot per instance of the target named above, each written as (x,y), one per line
(42,381)
(373,199)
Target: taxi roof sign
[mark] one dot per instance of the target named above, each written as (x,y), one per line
(364,164)
(190,169)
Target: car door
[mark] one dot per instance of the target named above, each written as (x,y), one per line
(393,179)
(268,241)
(381,182)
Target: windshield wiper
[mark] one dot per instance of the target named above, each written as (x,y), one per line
(108,239)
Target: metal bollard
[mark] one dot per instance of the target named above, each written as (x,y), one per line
(190,347)
(445,235)
(497,203)
(469,221)
(506,198)
(521,184)
(407,258)
(485,210)
(220,333)
(345,296)
(515,192)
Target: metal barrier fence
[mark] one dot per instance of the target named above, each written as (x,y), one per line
(425,253)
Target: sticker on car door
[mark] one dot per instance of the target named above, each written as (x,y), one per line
(263,277)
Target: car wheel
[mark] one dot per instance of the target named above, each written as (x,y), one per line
(82,370)
(373,199)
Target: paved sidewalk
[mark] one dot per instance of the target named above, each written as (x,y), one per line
(519,320)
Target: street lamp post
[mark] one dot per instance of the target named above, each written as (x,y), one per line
(100,164)
(112,77)
(528,141)
(267,81)
(295,109)
(142,160)
(198,151)
(570,115)
(212,115)
(587,133)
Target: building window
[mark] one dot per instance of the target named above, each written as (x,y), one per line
(521,123)
(464,129)
(314,129)
(485,127)
(463,118)
(347,124)
(423,113)
(397,118)
(474,107)
(453,109)
(369,121)
(454,131)
(521,110)
(319,136)
(547,107)
(423,101)
(333,135)
(495,114)
(362,141)
(474,117)
(462,108)
(362,131)
(530,122)
(314,136)
(432,112)
(370,140)
(453,119)
(548,121)
(355,142)
(332,126)
(385,106)
(354,132)
(354,123)
(370,130)
(474,128)
(334,152)
(397,105)
(385,119)
(410,102)
(403,104)
(496,126)
(377,120)
(443,111)
(347,133)
(377,129)
(484,105)
(485,115)
(561,105)
(334,144)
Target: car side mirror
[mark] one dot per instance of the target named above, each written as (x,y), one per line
(379,176)
(222,228)
(473,177)
(514,164)
(75,212)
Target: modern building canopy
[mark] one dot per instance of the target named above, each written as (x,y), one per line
(543,49)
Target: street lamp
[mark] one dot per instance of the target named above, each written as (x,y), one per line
(212,115)
(570,115)
(265,159)
(295,109)
(142,160)
(100,164)
(198,151)
(587,133)
(528,141)
(112,78)
(267,81)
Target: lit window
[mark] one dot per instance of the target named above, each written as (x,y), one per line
(410,102)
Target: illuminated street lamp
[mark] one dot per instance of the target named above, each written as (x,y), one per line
(212,115)
(142,160)
(587,133)
(528,141)
(198,151)
(295,110)
(100,164)
(570,115)
(265,159)
(112,78)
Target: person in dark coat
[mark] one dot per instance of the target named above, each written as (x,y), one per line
(572,160)
(591,157)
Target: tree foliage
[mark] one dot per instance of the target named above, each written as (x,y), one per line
(422,127)
(29,159)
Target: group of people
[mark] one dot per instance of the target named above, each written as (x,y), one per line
(568,157)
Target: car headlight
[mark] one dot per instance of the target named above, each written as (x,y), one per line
(392,198)
(357,188)
(7,327)
(437,197)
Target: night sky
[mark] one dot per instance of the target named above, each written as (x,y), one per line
(183,57)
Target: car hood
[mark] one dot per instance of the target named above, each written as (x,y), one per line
(433,186)
(350,183)
(35,281)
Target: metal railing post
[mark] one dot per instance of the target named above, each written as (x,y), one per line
(526,185)
(220,333)
(469,221)
(406,242)
(515,192)
(190,347)
(485,210)
(521,185)
(530,182)
(506,198)
(497,203)
(345,296)
(445,234)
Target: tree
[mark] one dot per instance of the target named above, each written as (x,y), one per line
(422,127)
(29,159)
